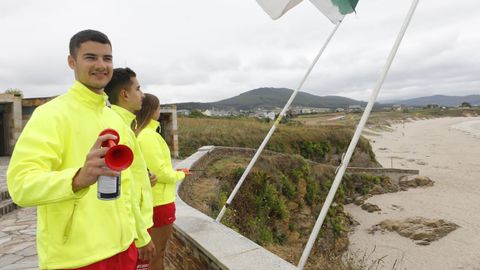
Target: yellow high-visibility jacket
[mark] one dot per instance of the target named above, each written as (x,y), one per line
(143,188)
(157,156)
(74,229)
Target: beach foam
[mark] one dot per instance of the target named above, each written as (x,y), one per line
(469,127)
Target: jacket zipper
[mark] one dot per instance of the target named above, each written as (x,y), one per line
(68,227)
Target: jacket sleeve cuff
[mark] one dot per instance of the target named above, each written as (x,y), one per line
(79,193)
(143,240)
(180,175)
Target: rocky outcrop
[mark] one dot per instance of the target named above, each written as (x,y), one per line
(415,181)
(419,229)
(369,207)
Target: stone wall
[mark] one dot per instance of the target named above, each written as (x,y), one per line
(183,254)
(12,121)
(168,122)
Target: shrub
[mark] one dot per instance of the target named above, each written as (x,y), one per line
(14,91)
(288,188)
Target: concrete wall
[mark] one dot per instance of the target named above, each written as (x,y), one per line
(182,253)
(12,121)
(169,131)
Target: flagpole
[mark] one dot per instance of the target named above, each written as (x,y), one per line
(353,143)
(272,129)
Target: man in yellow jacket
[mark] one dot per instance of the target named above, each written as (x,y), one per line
(125,97)
(57,161)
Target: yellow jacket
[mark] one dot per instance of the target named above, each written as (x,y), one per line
(157,156)
(74,229)
(143,189)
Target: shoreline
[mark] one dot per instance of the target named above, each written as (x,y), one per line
(446,150)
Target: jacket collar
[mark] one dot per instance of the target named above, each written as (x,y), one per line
(153,124)
(87,97)
(125,114)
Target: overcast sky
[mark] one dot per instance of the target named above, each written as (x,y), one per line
(191,50)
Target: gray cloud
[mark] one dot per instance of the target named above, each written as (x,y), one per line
(209,50)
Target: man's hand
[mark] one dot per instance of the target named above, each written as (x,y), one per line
(153,178)
(94,165)
(147,252)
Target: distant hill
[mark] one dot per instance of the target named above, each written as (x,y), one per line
(441,100)
(269,98)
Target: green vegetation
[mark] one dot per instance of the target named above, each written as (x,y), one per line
(320,144)
(466,104)
(278,203)
(14,91)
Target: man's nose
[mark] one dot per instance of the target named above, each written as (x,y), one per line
(101,64)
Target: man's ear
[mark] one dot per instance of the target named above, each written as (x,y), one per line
(71,62)
(123,94)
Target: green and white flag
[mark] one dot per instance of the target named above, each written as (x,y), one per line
(276,8)
(334,10)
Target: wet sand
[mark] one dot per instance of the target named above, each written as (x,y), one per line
(448,151)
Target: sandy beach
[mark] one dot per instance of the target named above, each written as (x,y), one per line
(448,151)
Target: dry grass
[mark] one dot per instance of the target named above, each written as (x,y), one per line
(319,143)
(368,260)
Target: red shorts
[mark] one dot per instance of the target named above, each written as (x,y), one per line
(126,260)
(164,214)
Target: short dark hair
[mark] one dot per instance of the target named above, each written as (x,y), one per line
(120,80)
(84,36)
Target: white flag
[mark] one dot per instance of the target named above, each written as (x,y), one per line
(276,8)
(334,10)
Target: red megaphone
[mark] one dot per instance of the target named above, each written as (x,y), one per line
(118,157)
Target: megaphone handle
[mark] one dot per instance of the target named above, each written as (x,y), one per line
(111,143)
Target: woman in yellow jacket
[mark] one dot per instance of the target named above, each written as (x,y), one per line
(157,156)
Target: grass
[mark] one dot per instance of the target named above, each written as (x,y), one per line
(367,260)
(317,143)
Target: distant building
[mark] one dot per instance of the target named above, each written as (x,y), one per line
(355,108)
(339,110)
(397,107)
(431,106)
(10,122)
(307,110)
(264,114)
(270,115)
(219,113)
(184,112)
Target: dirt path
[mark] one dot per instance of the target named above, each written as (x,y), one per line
(442,150)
